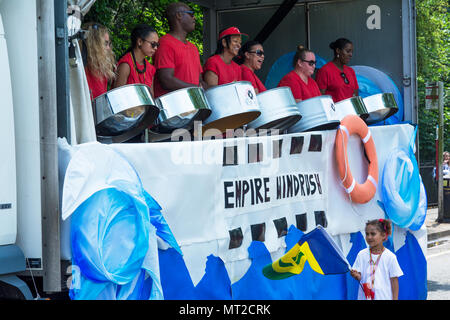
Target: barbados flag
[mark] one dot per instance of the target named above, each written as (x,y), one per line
(318,248)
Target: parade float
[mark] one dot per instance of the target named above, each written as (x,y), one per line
(198,211)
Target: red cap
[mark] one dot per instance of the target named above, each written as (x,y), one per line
(231,31)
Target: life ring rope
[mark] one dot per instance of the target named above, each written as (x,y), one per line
(365,139)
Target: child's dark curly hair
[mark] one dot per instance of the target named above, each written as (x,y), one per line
(383,225)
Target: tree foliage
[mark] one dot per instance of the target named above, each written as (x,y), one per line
(433,64)
(121,16)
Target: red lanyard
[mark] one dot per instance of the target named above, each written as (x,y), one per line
(373,267)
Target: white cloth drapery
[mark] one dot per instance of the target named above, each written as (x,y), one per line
(81,115)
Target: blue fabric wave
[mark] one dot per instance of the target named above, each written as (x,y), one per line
(114,239)
(400,185)
(421,213)
(413,284)
(366,86)
(175,278)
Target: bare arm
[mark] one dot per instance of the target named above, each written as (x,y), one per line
(203,84)
(210,78)
(394,285)
(123,72)
(169,82)
(152,91)
(355,274)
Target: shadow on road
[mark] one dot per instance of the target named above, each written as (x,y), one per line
(436,286)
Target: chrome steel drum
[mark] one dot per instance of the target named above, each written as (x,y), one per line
(122,113)
(353,105)
(380,107)
(180,108)
(233,105)
(278,110)
(318,113)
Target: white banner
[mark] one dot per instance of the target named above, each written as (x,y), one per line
(219,195)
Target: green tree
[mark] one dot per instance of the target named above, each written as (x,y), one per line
(120,17)
(433,64)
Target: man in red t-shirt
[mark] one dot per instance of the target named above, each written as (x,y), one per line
(177,60)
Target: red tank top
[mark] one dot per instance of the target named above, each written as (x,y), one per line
(135,77)
(97,85)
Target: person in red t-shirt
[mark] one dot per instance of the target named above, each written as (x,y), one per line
(100,63)
(220,68)
(299,80)
(335,78)
(177,61)
(251,58)
(133,67)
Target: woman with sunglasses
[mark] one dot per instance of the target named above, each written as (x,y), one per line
(335,78)
(251,58)
(133,66)
(220,68)
(100,64)
(299,80)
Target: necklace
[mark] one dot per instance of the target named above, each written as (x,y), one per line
(135,64)
(373,267)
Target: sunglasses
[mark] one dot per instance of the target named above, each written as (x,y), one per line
(154,44)
(189,12)
(310,62)
(258,52)
(108,44)
(345,78)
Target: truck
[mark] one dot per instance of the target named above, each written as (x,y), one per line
(38,96)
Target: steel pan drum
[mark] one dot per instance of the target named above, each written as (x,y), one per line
(122,113)
(318,113)
(278,110)
(380,107)
(353,105)
(180,108)
(233,105)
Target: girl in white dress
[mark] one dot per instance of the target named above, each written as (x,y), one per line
(376,267)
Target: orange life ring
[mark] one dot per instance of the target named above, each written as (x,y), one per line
(359,193)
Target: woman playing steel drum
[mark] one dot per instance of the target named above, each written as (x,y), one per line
(335,78)
(299,80)
(100,63)
(220,68)
(251,58)
(133,67)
